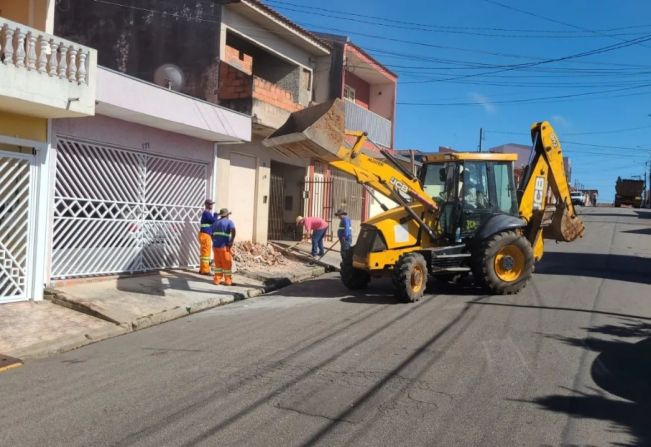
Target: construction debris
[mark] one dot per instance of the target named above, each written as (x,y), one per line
(250,255)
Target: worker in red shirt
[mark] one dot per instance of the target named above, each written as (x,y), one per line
(205,237)
(318,228)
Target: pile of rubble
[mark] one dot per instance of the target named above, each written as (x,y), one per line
(247,254)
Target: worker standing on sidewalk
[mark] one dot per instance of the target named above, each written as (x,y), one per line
(223,236)
(318,228)
(345,231)
(205,239)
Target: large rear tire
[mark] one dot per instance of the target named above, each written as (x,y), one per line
(353,278)
(503,263)
(410,277)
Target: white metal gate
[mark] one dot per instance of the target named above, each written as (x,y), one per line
(15,215)
(118,210)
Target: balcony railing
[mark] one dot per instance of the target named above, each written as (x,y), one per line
(54,71)
(31,49)
(378,127)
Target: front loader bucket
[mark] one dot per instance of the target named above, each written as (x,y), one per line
(316,131)
(565,227)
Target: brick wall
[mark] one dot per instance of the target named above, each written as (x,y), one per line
(233,83)
(272,94)
(238,59)
(237,82)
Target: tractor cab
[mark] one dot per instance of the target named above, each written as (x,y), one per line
(470,189)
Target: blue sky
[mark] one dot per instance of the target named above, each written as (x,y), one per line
(480,63)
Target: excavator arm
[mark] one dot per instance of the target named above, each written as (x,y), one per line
(544,177)
(385,178)
(318,131)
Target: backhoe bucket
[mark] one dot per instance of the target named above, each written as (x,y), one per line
(314,132)
(564,227)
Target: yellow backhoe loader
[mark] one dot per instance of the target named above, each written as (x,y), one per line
(462,215)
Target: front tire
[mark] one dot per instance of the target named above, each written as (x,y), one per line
(353,278)
(504,263)
(410,277)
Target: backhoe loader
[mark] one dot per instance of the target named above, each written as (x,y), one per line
(463,215)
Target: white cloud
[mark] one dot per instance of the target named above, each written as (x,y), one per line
(561,121)
(483,101)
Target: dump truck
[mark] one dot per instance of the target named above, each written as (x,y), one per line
(463,215)
(628,192)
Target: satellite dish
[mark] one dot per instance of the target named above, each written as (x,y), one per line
(169,76)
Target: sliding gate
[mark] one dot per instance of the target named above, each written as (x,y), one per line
(117,210)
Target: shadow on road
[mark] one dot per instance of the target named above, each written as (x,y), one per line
(583,214)
(606,266)
(622,369)
(379,291)
(568,309)
(645,231)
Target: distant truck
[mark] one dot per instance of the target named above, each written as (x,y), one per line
(578,198)
(628,192)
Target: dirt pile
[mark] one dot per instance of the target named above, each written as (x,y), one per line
(249,255)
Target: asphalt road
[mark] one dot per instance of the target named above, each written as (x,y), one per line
(565,362)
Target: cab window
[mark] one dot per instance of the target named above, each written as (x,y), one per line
(437,180)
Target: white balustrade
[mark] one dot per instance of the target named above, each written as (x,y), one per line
(19,47)
(8,47)
(82,73)
(32,49)
(63,61)
(43,46)
(72,64)
(52,63)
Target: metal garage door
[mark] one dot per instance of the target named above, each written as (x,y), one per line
(118,210)
(15,186)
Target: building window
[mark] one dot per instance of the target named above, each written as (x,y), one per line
(349,93)
(307,79)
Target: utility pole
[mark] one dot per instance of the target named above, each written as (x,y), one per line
(481,137)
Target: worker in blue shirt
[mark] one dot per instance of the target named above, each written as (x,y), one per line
(223,236)
(345,231)
(205,237)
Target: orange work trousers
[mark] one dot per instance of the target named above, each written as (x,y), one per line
(205,246)
(223,266)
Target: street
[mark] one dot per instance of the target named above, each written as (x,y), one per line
(565,362)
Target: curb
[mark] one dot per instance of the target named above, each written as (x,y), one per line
(70,343)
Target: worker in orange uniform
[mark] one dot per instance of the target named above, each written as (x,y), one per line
(223,236)
(205,237)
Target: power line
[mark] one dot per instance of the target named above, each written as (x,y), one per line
(552,20)
(430,26)
(523,100)
(629,129)
(548,61)
(420,27)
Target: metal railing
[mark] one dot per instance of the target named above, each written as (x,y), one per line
(359,118)
(326,195)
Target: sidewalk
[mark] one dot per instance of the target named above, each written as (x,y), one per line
(85,312)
